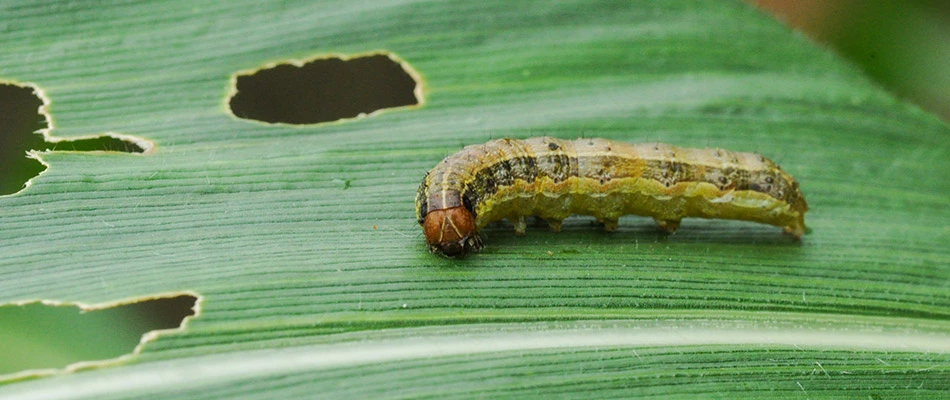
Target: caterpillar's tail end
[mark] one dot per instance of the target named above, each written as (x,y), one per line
(795,231)
(451,232)
(796,228)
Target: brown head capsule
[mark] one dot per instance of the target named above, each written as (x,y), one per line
(451,231)
(449,226)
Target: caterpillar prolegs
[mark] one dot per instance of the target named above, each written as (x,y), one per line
(553,178)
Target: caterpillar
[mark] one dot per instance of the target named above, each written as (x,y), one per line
(553,178)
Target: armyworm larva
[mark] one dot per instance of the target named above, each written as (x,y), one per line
(553,178)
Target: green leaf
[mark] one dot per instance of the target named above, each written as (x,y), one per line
(315,281)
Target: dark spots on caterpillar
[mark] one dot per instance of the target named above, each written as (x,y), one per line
(666,175)
(325,88)
(469,203)
(572,166)
(602,176)
(531,167)
(553,146)
(744,179)
(657,170)
(765,182)
(723,182)
(524,168)
(423,208)
(421,197)
(561,167)
(502,173)
(484,184)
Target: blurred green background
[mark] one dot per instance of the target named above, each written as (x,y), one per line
(904,45)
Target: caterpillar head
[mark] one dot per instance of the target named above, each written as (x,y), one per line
(451,231)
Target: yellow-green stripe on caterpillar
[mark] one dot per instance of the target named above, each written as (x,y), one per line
(553,178)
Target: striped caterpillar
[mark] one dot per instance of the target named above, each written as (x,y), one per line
(553,178)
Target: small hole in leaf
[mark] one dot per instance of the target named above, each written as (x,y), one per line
(325,89)
(40,336)
(101,143)
(22,121)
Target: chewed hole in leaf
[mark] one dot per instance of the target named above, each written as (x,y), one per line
(40,336)
(19,121)
(325,89)
(101,143)
(23,120)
